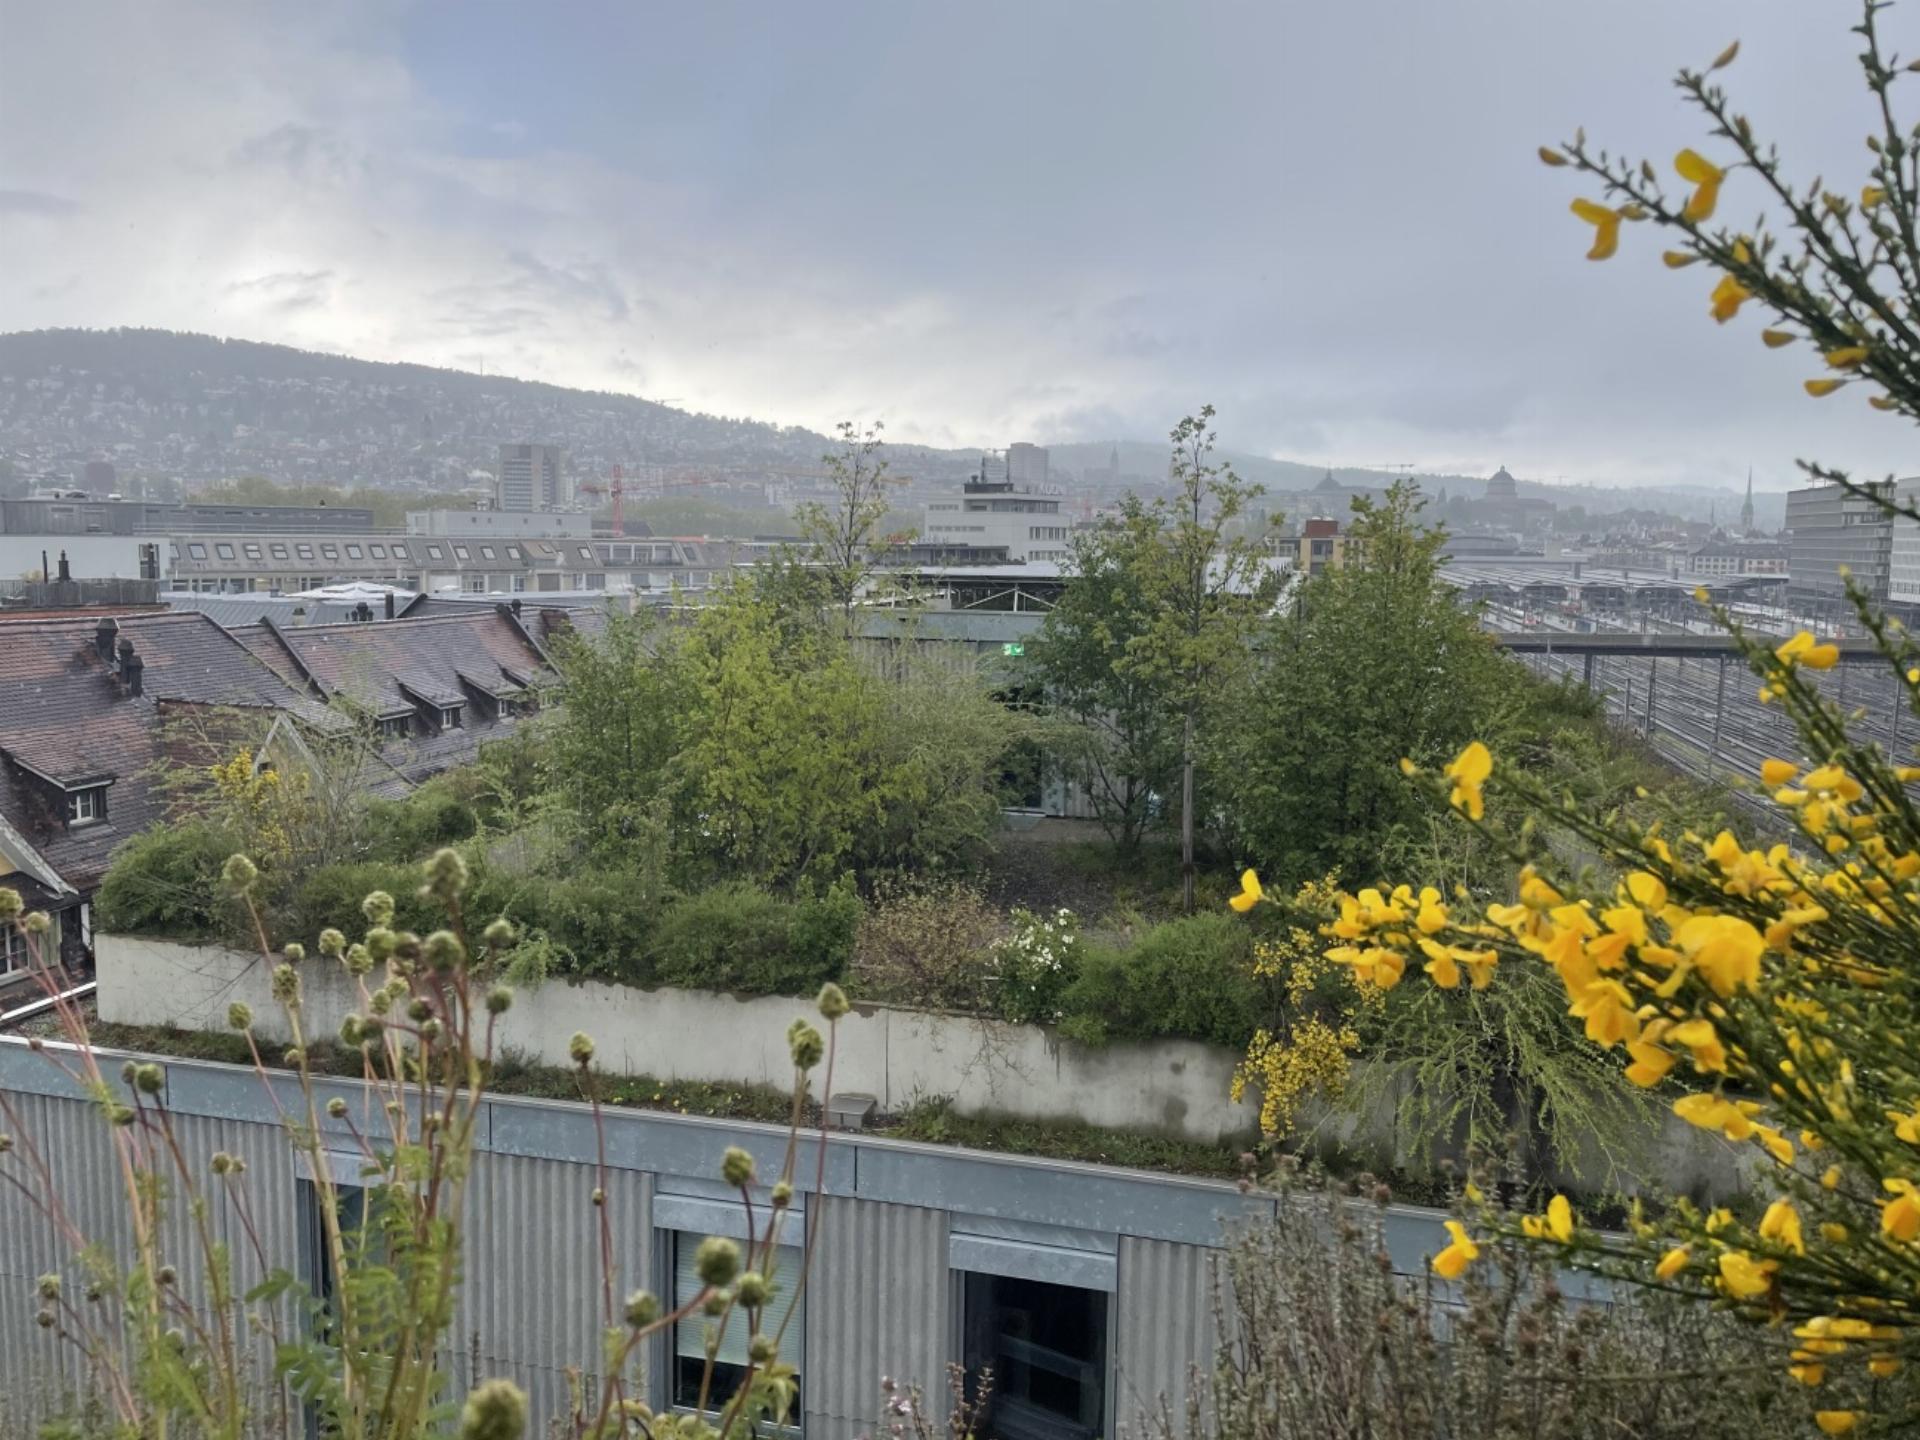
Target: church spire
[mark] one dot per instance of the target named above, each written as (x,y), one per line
(1746,510)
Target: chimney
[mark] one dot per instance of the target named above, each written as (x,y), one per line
(103,637)
(516,604)
(66,575)
(130,667)
(389,604)
(363,612)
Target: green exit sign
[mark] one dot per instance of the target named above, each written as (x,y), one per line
(1013,647)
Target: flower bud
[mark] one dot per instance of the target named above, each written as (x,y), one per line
(446,875)
(419,1009)
(239,873)
(358,959)
(333,943)
(239,1016)
(379,942)
(121,1115)
(782,1194)
(350,1035)
(295,953)
(286,984)
(44,1319)
(598,1198)
(378,908)
(642,1309)
(166,1275)
(580,1048)
(49,1287)
(431,1030)
(751,1290)
(499,934)
(833,1001)
(444,950)
(10,904)
(337,1108)
(717,1261)
(221,1163)
(149,1079)
(763,1350)
(499,999)
(496,1410)
(37,923)
(736,1166)
(805,1043)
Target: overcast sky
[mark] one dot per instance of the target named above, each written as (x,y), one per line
(982,222)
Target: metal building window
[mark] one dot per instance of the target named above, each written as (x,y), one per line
(378,552)
(689,1343)
(88,806)
(305,552)
(354,553)
(449,717)
(396,728)
(223,550)
(1047,1346)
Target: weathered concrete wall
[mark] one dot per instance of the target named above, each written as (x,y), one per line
(898,1056)
(986,1067)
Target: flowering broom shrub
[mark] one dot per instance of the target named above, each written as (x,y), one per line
(1769,993)
(167,1338)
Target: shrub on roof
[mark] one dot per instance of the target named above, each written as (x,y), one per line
(167,882)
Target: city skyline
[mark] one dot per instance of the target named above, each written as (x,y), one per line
(1333,228)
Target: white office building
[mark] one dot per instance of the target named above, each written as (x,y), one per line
(1000,512)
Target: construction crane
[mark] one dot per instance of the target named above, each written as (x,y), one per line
(616,490)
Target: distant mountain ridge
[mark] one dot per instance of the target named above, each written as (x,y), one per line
(169,405)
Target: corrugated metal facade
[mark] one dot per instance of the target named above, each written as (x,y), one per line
(877,1306)
(1168,1290)
(882,1300)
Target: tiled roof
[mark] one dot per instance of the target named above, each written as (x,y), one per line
(442,659)
(370,663)
(64,717)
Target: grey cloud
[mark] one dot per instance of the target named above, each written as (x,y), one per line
(305,153)
(36,202)
(286,292)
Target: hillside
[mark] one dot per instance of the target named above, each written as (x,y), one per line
(198,408)
(177,412)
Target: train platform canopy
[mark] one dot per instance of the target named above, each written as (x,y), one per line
(1566,580)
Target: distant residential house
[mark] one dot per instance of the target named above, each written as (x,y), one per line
(433,687)
(1738,557)
(85,703)
(92,706)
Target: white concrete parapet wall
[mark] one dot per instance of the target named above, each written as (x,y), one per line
(1171,1087)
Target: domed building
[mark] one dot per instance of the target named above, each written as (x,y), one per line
(1500,488)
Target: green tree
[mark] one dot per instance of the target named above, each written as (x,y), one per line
(1372,660)
(1207,592)
(1123,746)
(1190,592)
(841,539)
(605,751)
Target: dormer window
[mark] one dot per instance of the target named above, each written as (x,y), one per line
(87,806)
(450,717)
(396,727)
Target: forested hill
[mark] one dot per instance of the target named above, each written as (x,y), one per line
(200,408)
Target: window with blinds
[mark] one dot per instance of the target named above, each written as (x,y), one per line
(689,1359)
